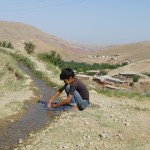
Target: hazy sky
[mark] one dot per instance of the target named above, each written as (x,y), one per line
(101,22)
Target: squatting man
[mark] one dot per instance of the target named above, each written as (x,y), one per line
(77,92)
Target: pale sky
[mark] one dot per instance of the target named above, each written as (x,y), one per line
(100,22)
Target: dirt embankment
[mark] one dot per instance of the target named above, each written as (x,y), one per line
(108,123)
(15,87)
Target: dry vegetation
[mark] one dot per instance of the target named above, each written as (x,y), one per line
(14,86)
(9,74)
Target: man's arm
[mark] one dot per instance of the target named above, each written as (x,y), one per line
(64,102)
(52,98)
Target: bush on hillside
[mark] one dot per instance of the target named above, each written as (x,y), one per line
(6,44)
(29,47)
(136,78)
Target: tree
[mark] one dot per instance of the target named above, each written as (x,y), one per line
(29,47)
(4,44)
(9,45)
(136,78)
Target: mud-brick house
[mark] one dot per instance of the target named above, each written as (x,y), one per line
(109,82)
(107,79)
(83,77)
(131,74)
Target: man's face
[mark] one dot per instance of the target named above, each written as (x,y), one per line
(68,81)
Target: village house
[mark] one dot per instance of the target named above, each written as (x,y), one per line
(109,82)
(83,76)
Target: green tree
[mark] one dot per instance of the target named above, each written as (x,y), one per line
(136,78)
(4,44)
(9,45)
(29,47)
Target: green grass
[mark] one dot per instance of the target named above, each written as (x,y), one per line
(125,94)
(11,76)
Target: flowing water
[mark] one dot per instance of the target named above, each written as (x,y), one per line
(36,116)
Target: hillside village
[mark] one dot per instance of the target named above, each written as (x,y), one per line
(121,80)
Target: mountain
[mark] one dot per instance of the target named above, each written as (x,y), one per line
(133,52)
(18,33)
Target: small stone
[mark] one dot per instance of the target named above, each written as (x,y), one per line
(93,92)
(127,124)
(88,137)
(65,147)
(103,135)
(84,137)
(115,119)
(31,135)
(20,141)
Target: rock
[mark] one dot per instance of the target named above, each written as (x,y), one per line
(65,147)
(115,119)
(86,137)
(20,141)
(104,135)
(31,135)
(127,123)
(119,136)
(11,120)
(93,92)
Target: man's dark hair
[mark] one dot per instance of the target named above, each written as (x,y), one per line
(66,74)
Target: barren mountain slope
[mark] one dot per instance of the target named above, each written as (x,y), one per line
(133,52)
(18,33)
(142,66)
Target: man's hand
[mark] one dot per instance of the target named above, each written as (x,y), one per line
(49,104)
(54,105)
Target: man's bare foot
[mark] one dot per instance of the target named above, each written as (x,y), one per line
(75,108)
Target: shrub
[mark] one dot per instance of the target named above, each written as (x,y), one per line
(147,74)
(124,63)
(136,78)
(9,45)
(29,47)
(6,44)
(103,72)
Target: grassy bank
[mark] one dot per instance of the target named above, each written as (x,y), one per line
(11,77)
(123,94)
(32,66)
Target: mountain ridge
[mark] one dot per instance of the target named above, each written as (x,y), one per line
(18,33)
